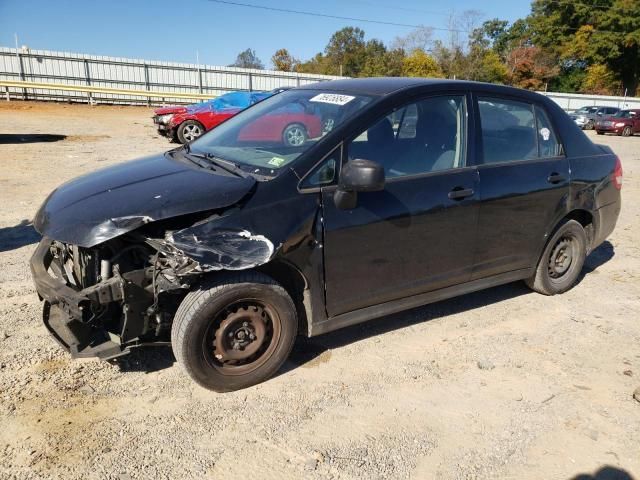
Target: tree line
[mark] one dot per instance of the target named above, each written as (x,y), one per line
(586,46)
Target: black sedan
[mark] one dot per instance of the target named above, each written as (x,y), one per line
(231,246)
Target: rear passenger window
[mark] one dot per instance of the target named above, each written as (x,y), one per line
(508,130)
(547,139)
(513,131)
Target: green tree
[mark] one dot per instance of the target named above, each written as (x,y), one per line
(345,52)
(282,60)
(596,32)
(419,64)
(248,59)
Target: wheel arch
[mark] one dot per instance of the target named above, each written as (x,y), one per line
(583,216)
(296,285)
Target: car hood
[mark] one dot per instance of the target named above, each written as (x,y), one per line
(102,205)
(171,109)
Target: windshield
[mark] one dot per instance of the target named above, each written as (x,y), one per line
(276,131)
(587,110)
(625,114)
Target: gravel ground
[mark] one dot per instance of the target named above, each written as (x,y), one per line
(503,383)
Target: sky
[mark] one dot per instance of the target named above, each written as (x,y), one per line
(182,30)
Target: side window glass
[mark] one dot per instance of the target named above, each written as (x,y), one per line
(547,139)
(421,137)
(325,173)
(508,130)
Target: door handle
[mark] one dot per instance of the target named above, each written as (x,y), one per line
(459,193)
(555,178)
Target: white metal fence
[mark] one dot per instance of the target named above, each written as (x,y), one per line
(75,69)
(573,101)
(123,73)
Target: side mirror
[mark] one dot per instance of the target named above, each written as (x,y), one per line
(358,175)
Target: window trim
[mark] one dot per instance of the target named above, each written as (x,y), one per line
(314,189)
(479,157)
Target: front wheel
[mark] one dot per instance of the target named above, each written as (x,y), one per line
(235,331)
(627,131)
(561,261)
(189,130)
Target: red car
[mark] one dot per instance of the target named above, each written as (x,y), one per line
(625,123)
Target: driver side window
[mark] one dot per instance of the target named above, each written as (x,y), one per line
(421,137)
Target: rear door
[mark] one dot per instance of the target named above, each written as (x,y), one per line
(524,178)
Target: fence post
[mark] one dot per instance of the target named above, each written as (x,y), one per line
(297,80)
(87,77)
(199,79)
(250,82)
(146,82)
(22,75)
(6,89)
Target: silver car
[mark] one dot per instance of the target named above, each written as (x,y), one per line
(586,117)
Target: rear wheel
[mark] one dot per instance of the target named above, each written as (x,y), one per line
(294,135)
(561,261)
(189,130)
(234,332)
(627,131)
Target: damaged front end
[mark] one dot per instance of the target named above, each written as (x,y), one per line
(104,300)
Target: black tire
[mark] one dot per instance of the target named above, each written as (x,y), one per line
(228,310)
(189,130)
(627,131)
(561,261)
(294,135)
(590,125)
(599,132)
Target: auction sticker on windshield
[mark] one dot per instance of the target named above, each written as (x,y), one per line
(332,98)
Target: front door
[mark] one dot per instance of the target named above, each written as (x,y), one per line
(418,234)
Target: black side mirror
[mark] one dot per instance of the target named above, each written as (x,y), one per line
(358,175)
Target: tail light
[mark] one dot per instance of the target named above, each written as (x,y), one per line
(617,174)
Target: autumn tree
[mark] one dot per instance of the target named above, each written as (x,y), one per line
(419,64)
(592,32)
(248,59)
(282,60)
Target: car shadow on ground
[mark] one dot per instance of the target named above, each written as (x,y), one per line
(18,236)
(305,350)
(16,138)
(605,473)
(148,359)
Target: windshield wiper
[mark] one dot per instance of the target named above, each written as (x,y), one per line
(211,160)
(227,165)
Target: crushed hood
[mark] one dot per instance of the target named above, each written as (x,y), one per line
(105,204)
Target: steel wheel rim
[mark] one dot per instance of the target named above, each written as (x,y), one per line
(295,136)
(626,132)
(191,132)
(562,257)
(228,346)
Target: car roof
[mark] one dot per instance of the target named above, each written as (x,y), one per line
(381,86)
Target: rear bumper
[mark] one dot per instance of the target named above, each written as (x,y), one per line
(67,312)
(607,217)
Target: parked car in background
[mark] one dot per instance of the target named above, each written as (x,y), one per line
(232,245)
(625,123)
(586,117)
(185,124)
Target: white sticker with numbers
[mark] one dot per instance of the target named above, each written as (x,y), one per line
(333,98)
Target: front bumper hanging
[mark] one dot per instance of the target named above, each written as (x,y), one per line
(68,313)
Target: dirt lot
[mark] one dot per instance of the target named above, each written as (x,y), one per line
(503,383)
